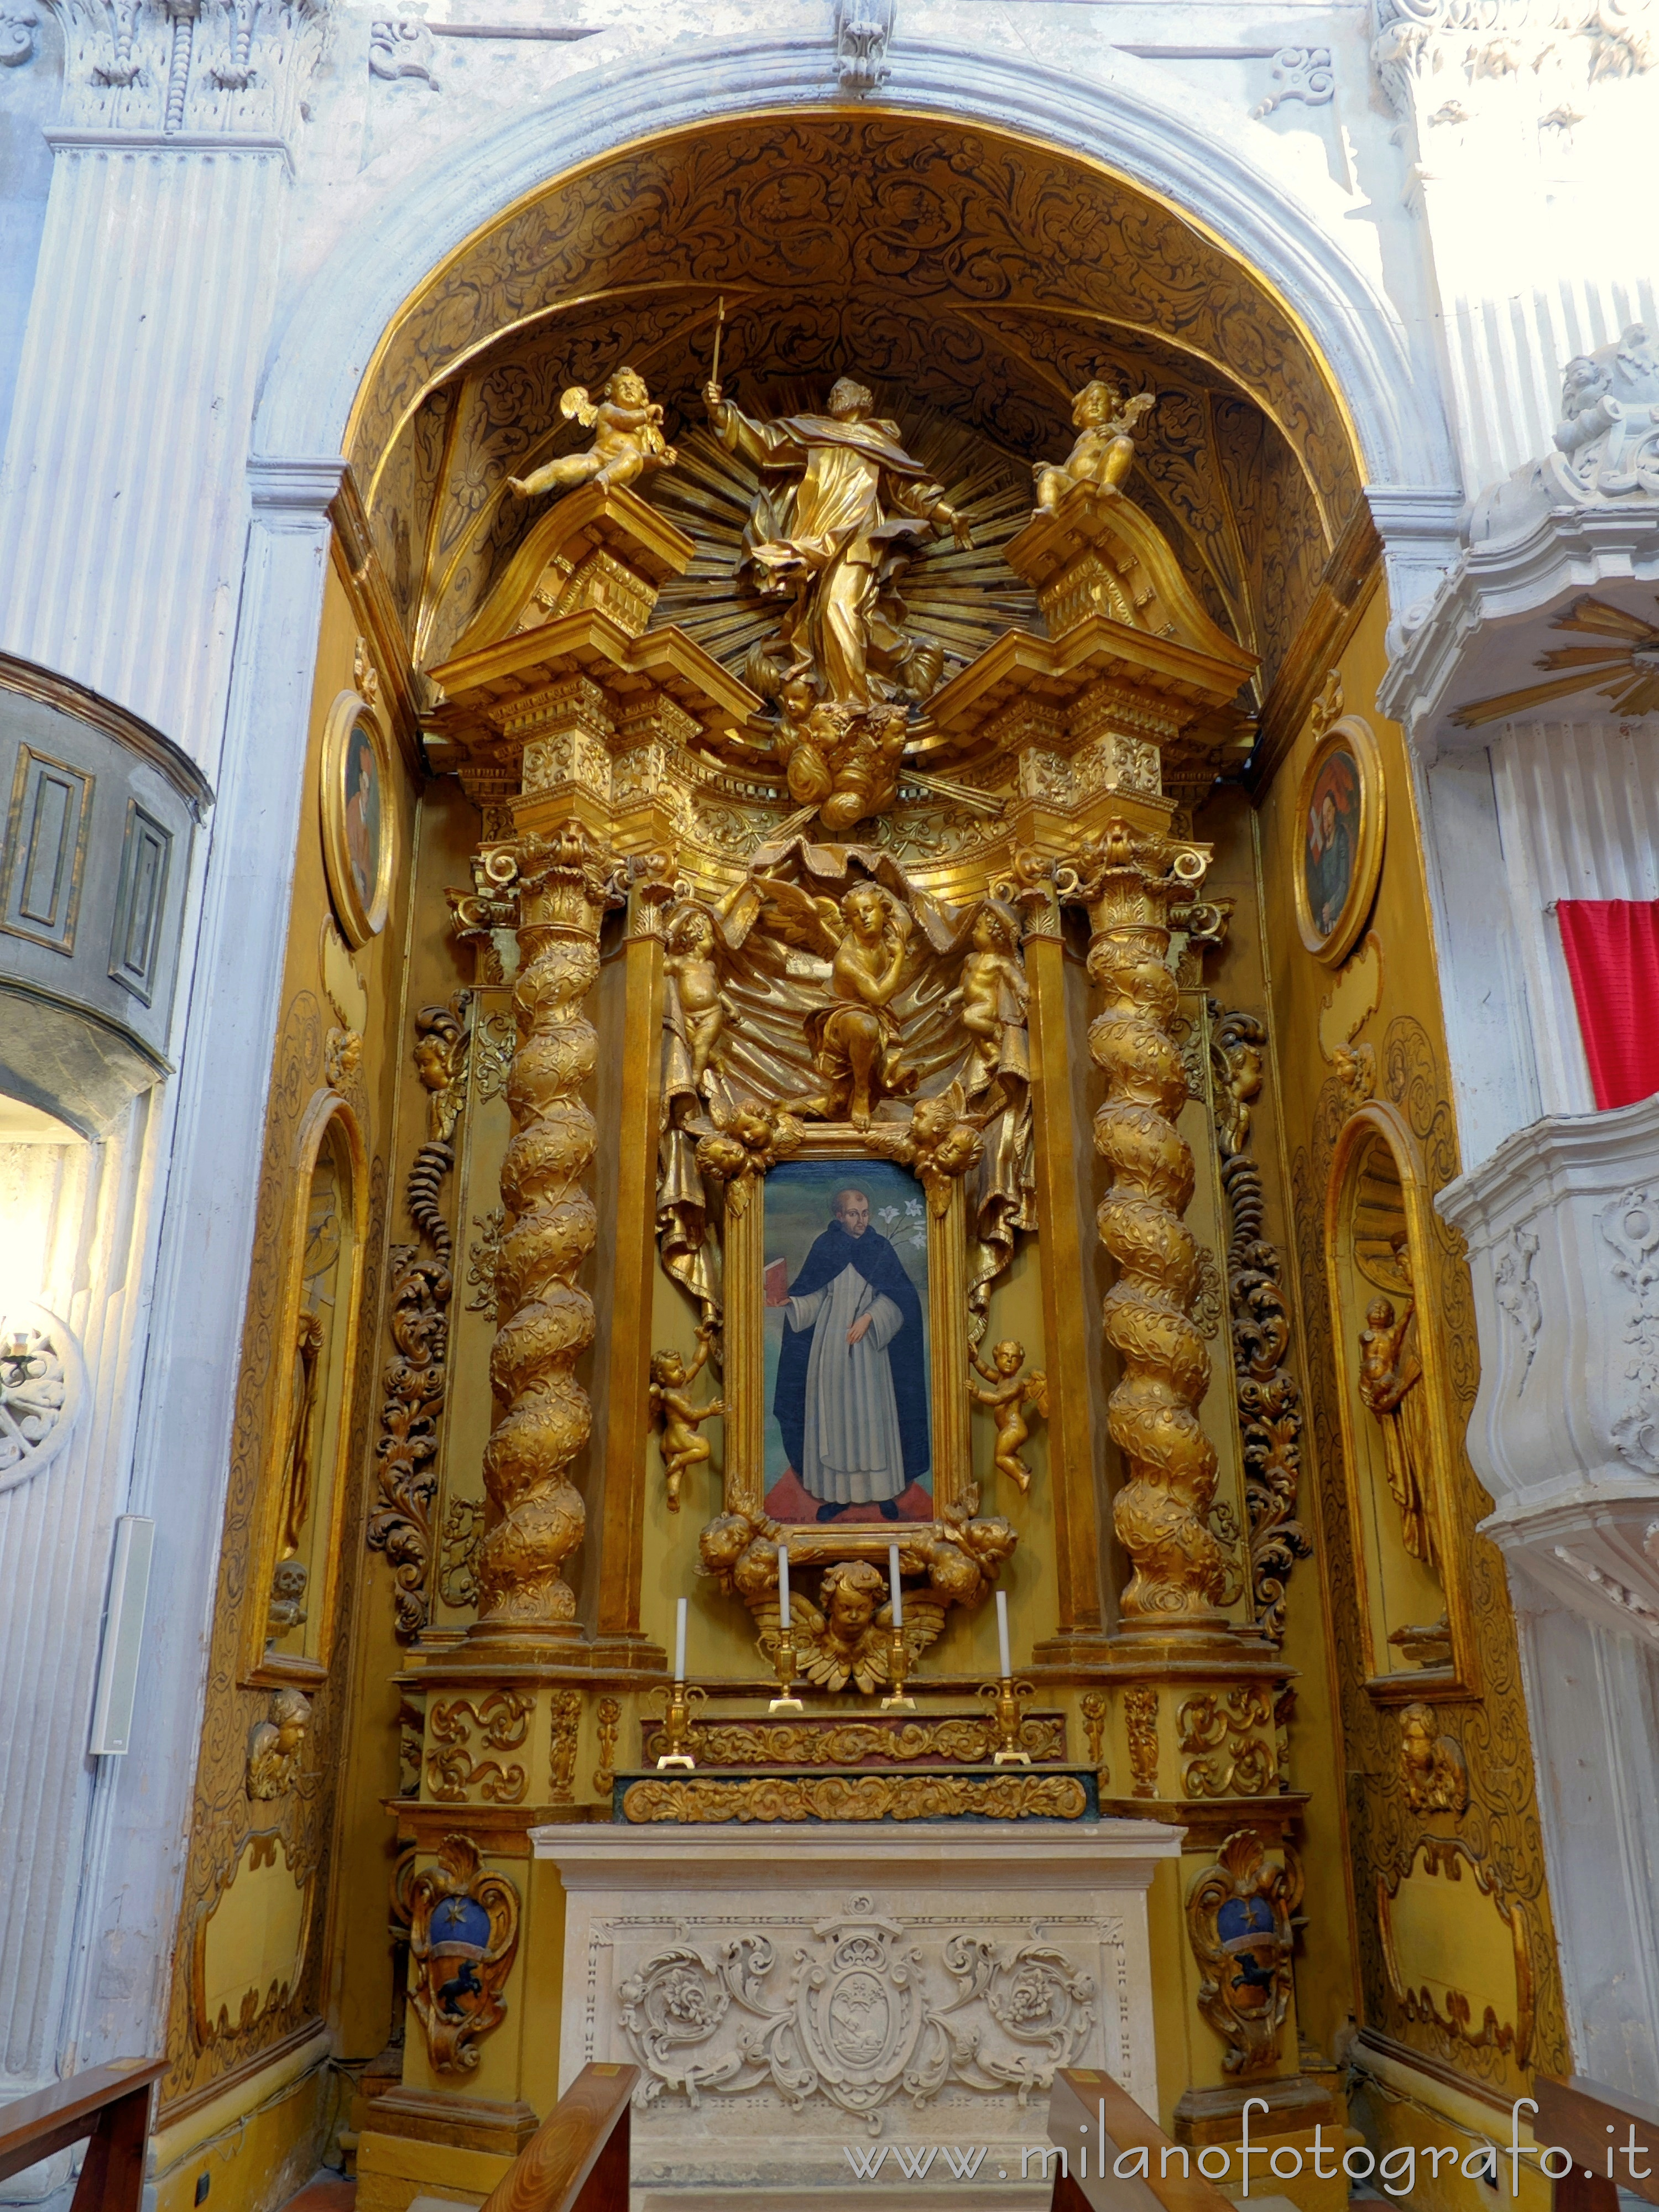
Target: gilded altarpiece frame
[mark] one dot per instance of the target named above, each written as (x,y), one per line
(743,1239)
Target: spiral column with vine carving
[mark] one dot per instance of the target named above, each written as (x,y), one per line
(547,1320)
(1162,1511)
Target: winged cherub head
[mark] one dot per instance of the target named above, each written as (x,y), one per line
(852,1593)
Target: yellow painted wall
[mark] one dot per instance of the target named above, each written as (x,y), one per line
(231,2105)
(1375,1836)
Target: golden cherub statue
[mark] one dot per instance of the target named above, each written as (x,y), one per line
(628,440)
(274,1745)
(856,1039)
(1104,451)
(844,760)
(993,993)
(441,1040)
(850,1638)
(694,976)
(675,1419)
(1008,1401)
(1433,1772)
(748,1140)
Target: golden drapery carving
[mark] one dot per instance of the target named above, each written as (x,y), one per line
(564,884)
(793,1015)
(1128,880)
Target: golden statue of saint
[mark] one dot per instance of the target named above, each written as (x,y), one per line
(1391,1387)
(833,539)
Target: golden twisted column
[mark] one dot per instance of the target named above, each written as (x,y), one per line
(1162,1512)
(563,884)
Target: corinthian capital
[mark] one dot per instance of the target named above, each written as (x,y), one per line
(1445,64)
(183,68)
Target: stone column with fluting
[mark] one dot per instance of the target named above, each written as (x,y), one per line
(1161,1512)
(564,887)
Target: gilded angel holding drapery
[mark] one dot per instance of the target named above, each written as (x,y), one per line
(992,994)
(855,1040)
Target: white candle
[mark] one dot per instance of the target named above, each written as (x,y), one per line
(679,1642)
(895,1586)
(783,1584)
(1007,1664)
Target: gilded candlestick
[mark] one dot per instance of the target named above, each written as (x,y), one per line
(1008,1699)
(676,1726)
(785,1701)
(898,1699)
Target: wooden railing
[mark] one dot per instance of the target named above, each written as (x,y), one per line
(1601,2128)
(1080,2101)
(577,2160)
(107,2107)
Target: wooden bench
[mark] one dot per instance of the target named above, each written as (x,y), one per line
(107,2107)
(1590,2120)
(1076,2103)
(578,2158)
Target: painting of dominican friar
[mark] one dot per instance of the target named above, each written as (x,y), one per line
(1330,838)
(847,1432)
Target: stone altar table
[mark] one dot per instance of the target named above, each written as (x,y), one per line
(797,1992)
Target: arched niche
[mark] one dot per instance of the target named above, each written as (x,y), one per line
(290,1624)
(1398,1438)
(968,274)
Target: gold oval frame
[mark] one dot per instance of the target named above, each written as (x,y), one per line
(359,921)
(1354,737)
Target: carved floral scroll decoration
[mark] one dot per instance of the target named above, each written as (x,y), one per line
(1268,1396)
(858,2014)
(414,1379)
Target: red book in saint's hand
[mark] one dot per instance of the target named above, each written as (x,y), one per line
(776,1280)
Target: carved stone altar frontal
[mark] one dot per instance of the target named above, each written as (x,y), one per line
(791,1993)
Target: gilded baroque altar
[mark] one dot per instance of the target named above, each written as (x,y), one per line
(835,788)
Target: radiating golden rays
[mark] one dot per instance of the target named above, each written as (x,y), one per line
(1625,669)
(964,600)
